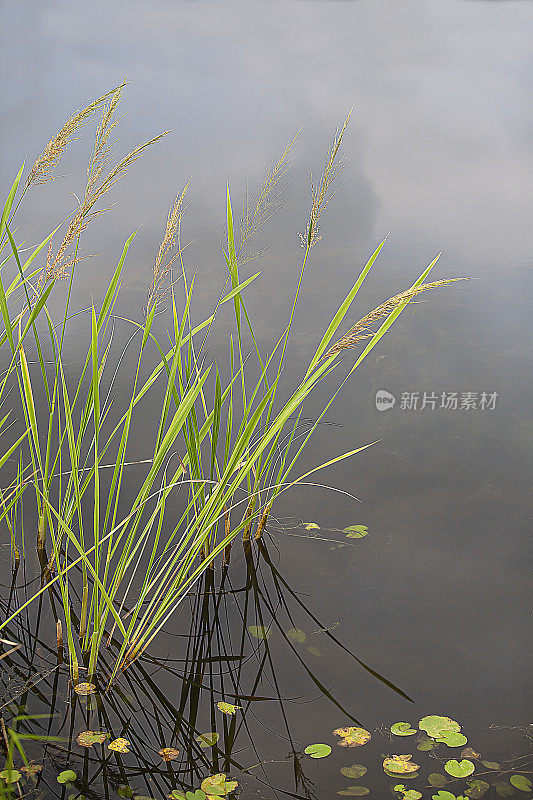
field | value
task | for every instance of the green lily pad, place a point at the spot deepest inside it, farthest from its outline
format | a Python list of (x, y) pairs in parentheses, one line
[(355, 531), (317, 750), (395, 775), (12, 775), (476, 789), (459, 769), (491, 764), (453, 739), (443, 796), (124, 791), (521, 782), (67, 776), (437, 780), (259, 631), (437, 727), (355, 771), (355, 791), (297, 635), (215, 785), (400, 765), (176, 794), (208, 739), (425, 744), (504, 789), (402, 729), (196, 795), (412, 794)]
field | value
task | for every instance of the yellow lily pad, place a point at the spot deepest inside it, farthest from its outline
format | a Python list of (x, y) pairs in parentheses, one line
[(168, 753), (227, 708), (400, 765), (119, 745), (352, 737)]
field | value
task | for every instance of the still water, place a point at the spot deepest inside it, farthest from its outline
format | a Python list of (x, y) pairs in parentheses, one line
[(436, 597)]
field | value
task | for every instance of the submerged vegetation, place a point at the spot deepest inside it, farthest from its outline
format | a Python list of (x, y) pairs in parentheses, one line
[(116, 565)]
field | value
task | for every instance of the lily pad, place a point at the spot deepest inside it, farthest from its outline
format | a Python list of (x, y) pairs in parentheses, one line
[(453, 739), (259, 631), (400, 765), (402, 729), (13, 775), (313, 650), (317, 750), (355, 531), (459, 769), (355, 791), (168, 753), (470, 753), (67, 776), (297, 635), (352, 737), (521, 782), (85, 689), (407, 794), (88, 738), (310, 526), (395, 775), (227, 708), (437, 727), (425, 744), (491, 764), (177, 794), (31, 770), (196, 795), (216, 785), (119, 745), (355, 771), (208, 739), (443, 796), (476, 789), (437, 780)]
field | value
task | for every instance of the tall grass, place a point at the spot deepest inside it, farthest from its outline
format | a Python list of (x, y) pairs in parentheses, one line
[(228, 448)]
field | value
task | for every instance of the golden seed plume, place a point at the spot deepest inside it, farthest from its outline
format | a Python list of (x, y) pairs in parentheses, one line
[(321, 193), (43, 168), (161, 285), (361, 330)]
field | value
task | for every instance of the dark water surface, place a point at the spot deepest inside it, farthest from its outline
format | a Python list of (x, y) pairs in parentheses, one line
[(437, 596)]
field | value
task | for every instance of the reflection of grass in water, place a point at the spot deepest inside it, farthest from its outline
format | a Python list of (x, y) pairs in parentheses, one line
[(229, 446)]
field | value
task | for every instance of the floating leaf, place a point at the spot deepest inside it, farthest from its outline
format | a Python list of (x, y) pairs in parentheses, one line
[(408, 794), (259, 631), (352, 737), (355, 531), (208, 739), (313, 650), (504, 789), (297, 634), (13, 775), (88, 738), (227, 708), (124, 791), (395, 775), (310, 526), (119, 745), (453, 739), (436, 779), (85, 689), (425, 744), (521, 782), (436, 727), (459, 769), (355, 791), (168, 753), (468, 752), (197, 795), (491, 764), (402, 729), (67, 776), (317, 750), (476, 789), (177, 794), (31, 769), (355, 771), (215, 785), (443, 796), (400, 765)]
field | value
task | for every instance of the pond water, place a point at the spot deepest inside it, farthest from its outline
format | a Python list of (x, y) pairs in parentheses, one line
[(436, 597)]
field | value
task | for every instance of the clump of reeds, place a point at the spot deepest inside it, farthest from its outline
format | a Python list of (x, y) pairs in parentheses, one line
[(232, 452), (361, 330)]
